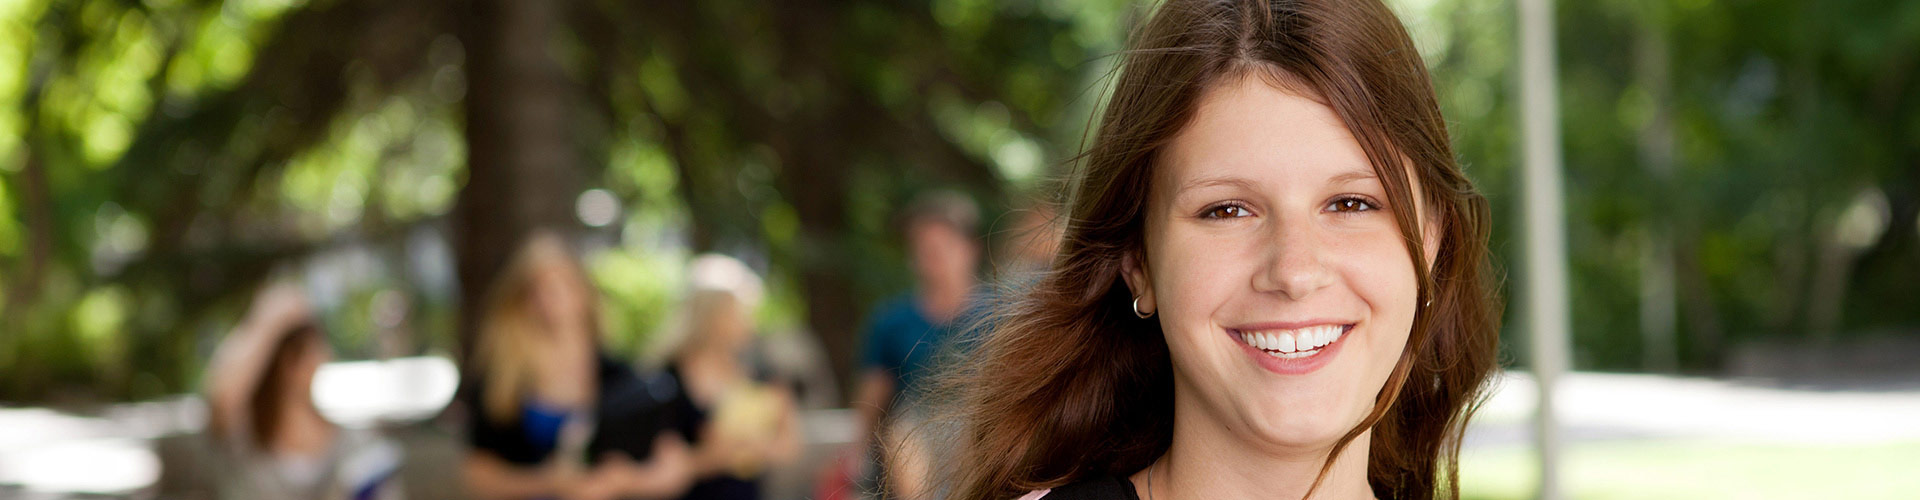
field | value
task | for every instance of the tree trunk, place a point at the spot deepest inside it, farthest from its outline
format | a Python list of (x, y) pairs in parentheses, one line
[(522, 170), (817, 186)]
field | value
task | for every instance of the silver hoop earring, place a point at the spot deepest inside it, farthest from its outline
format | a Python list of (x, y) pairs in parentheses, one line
[(1136, 309)]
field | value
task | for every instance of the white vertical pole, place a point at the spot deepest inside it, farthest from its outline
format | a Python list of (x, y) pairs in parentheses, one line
[(1546, 246), (1658, 316)]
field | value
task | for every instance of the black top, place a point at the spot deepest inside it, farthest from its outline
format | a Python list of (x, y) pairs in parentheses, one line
[(631, 409), (1098, 488), (692, 417)]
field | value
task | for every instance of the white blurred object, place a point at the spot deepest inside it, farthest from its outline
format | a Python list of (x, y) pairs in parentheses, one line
[(93, 466), (596, 207), (719, 272), (1864, 221), (832, 426), (360, 394), (1609, 406), (45, 450)]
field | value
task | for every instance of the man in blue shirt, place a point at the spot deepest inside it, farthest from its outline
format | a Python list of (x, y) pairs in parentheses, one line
[(905, 334)]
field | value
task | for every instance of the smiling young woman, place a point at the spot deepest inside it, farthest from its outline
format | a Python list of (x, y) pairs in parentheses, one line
[(1273, 283)]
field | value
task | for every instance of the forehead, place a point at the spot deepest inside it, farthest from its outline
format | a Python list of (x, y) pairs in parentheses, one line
[(1247, 127), (928, 233), (932, 225)]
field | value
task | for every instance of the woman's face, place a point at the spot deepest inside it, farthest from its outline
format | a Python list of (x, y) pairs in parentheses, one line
[(730, 327), (563, 299), (564, 354), (1277, 270), (942, 254)]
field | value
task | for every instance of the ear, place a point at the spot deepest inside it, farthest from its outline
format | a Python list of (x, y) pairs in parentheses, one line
[(1133, 269), (1431, 223), (1431, 237), (1433, 230)]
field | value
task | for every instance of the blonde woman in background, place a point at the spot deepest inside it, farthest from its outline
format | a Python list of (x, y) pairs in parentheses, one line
[(738, 425), (540, 383), (262, 418)]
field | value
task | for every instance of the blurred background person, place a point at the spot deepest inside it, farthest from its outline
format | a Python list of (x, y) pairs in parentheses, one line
[(272, 439), (738, 424), (549, 400), (903, 338)]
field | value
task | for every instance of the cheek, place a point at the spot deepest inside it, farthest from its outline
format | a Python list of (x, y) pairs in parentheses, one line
[(1380, 273), (924, 259), (737, 329), (1194, 275)]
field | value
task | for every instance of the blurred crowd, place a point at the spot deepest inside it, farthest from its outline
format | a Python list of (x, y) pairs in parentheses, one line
[(547, 411)]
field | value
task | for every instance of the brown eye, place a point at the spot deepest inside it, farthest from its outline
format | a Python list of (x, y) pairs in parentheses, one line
[(1350, 205), (1227, 211)]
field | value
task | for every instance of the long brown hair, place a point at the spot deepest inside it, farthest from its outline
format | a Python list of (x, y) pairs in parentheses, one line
[(1068, 385), (271, 393)]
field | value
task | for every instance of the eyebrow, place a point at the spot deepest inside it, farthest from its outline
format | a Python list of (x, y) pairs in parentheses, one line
[(1351, 176), (1215, 181), (1341, 178)]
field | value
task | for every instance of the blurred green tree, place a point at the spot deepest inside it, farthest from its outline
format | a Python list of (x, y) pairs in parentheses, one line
[(1750, 167), (172, 153)]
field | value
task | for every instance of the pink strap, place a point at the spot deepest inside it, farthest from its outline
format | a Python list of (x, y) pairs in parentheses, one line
[(1035, 494)]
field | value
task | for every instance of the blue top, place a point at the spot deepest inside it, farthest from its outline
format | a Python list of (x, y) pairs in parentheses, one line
[(541, 425), (901, 340)]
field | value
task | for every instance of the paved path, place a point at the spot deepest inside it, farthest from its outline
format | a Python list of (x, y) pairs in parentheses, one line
[(1602, 406)]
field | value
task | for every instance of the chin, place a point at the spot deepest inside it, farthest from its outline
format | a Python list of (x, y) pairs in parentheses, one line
[(1302, 423)]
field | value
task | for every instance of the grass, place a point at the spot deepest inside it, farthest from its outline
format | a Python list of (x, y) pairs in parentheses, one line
[(1700, 470)]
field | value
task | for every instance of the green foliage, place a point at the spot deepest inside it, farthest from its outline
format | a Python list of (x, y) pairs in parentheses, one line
[(161, 158), (641, 289), (1783, 113)]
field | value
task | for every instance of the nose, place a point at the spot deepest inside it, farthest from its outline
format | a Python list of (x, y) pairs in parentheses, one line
[(1292, 265)]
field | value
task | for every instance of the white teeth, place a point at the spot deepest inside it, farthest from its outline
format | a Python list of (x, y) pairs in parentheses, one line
[(1294, 344)]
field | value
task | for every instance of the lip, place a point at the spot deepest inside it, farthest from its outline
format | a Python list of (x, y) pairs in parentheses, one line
[(1294, 366), (1288, 325)]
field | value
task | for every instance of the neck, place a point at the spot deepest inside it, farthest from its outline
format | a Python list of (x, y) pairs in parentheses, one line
[(565, 374), (1206, 461), (708, 372), (943, 301), (709, 357)]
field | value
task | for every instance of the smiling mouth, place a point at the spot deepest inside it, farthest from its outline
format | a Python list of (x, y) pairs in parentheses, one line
[(1295, 343)]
